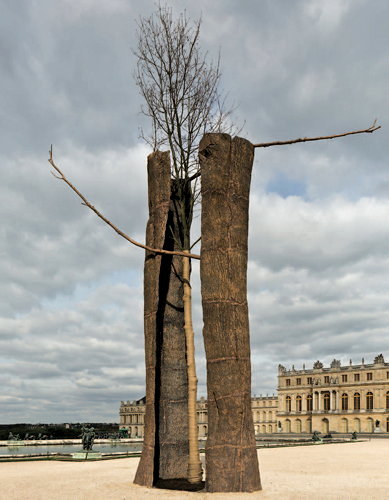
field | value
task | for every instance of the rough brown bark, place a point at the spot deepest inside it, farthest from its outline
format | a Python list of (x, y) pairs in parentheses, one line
[(231, 456), (165, 447)]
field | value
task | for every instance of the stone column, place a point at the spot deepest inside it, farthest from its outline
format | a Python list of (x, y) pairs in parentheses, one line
[(363, 399)]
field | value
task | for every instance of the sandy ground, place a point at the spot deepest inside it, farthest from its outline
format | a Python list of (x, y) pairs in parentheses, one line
[(334, 471)]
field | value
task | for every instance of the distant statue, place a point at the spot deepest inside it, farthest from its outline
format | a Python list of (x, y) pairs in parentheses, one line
[(281, 369), (335, 363), (315, 436), (379, 359), (354, 436), (11, 437), (88, 437), (317, 365), (123, 433)]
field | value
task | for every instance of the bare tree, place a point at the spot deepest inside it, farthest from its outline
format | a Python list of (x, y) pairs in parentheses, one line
[(180, 89)]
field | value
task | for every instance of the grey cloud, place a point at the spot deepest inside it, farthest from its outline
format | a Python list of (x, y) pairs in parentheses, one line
[(71, 336)]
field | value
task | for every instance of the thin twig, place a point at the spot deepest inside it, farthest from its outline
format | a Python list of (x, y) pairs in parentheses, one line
[(107, 221), (195, 243), (195, 175), (369, 130)]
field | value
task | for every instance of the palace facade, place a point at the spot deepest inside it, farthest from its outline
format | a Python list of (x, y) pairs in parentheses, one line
[(264, 409), (334, 399)]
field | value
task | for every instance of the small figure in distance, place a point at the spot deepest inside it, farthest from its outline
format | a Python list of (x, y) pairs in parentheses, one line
[(315, 437)]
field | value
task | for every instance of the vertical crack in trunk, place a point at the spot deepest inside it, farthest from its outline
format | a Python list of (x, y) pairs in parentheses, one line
[(165, 446)]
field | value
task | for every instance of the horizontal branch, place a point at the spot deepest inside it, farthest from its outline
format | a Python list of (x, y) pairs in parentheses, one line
[(369, 130), (62, 177)]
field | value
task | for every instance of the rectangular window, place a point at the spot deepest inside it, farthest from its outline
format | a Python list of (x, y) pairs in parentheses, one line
[(288, 382), (356, 377), (298, 381), (327, 379), (310, 381), (369, 376), (344, 378), (387, 375)]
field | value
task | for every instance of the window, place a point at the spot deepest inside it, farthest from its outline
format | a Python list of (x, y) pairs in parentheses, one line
[(288, 382), (357, 401), (288, 403), (298, 381), (369, 376), (298, 403), (344, 402), (369, 401), (387, 401), (344, 378), (327, 379), (309, 402), (310, 381), (387, 374), (326, 401), (356, 377)]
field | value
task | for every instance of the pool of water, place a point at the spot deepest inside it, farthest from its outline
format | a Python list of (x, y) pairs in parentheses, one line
[(113, 447), (69, 448)]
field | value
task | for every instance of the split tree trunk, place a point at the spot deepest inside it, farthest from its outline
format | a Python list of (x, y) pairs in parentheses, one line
[(231, 455), (165, 446)]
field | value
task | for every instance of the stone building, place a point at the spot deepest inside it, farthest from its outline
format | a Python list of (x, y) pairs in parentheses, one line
[(335, 399), (132, 417), (264, 410)]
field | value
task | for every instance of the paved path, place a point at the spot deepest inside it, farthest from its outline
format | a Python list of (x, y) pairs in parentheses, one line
[(334, 471)]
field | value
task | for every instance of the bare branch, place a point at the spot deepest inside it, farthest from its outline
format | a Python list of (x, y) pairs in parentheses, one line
[(195, 243), (195, 175), (179, 84), (62, 177), (369, 130)]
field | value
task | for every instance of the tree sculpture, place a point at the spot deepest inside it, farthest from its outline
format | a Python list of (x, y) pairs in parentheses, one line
[(231, 455), (182, 100), (180, 90)]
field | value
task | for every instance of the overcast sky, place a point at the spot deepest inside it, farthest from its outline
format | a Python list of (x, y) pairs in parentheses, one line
[(71, 333)]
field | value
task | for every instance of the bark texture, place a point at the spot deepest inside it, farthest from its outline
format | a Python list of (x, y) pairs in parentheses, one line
[(231, 456), (165, 447)]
